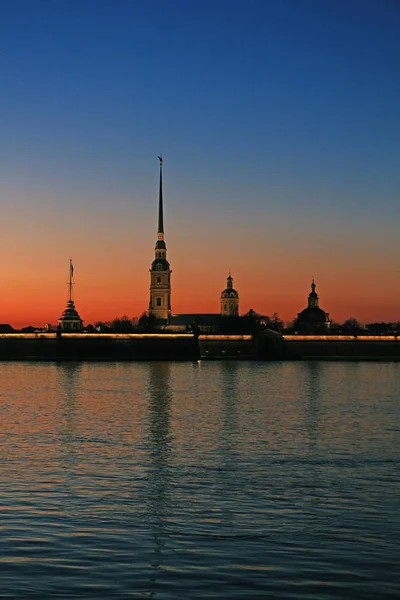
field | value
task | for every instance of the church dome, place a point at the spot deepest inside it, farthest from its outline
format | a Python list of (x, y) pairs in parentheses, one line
[(229, 293), (312, 319), (313, 314)]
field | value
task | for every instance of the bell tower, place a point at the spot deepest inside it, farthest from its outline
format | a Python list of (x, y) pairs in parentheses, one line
[(229, 299), (160, 272)]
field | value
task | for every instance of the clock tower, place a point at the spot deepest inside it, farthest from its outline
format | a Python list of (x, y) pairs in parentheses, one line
[(160, 272)]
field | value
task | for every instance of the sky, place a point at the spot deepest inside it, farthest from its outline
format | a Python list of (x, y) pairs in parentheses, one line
[(279, 125)]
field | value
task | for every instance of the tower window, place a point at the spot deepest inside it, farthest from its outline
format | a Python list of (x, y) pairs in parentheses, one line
[(158, 279), (158, 302)]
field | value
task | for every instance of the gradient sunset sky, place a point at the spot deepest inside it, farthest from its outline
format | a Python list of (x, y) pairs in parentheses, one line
[(279, 124)]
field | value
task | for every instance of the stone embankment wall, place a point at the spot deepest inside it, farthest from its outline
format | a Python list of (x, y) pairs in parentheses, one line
[(98, 347), (341, 347), (224, 347), (165, 346), (265, 346)]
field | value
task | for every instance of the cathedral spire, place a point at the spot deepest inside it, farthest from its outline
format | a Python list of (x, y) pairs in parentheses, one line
[(160, 272), (160, 205)]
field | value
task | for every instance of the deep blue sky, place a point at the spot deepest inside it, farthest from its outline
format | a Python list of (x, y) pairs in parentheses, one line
[(274, 111), (297, 89)]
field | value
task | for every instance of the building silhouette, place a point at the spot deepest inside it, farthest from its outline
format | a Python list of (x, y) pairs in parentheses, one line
[(312, 319), (160, 272), (70, 320), (229, 299), (209, 322), (160, 288)]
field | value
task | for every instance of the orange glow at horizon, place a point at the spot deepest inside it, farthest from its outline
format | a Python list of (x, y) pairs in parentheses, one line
[(42, 301), (272, 259), (279, 165)]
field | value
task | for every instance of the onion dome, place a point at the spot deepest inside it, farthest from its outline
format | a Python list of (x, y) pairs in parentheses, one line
[(313, 314), (229, 292)]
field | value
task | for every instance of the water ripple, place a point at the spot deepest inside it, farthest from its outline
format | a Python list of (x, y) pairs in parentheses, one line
[(223, 480)]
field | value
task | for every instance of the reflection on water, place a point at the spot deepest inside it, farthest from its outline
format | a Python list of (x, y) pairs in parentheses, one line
[(159, 408), (67, 381), (197, 480), (228, 449), (312, 404)]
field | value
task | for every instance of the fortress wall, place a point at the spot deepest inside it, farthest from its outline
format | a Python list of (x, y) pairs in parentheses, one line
[(237, 347), (341, 347), (189, 347), (168, 346), (98, 347)]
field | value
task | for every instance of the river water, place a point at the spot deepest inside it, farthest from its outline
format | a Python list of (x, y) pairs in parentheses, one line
[(226, 480)]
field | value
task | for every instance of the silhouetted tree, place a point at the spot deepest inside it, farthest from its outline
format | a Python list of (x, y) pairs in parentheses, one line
[(335, 328), (252, 314), (275, 322), (102, 327), (383, 328), (289, 325), (264, 321), (352, 326), (147, 322), (122, 325), (29, 329), (252, 321), (6, 328)]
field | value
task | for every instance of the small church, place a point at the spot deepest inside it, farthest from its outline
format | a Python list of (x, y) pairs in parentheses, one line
[(312, 320)]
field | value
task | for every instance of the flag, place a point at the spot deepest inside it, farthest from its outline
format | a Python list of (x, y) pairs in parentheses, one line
[(71, 268)]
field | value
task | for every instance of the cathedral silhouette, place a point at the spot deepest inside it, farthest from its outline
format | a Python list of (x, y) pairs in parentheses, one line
[(310, 320)]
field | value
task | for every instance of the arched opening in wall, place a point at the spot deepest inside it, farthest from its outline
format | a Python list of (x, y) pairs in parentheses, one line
[(158, 302)]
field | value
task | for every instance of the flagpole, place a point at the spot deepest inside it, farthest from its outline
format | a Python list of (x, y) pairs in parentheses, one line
[(71, 270)]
